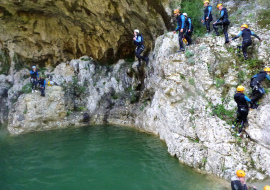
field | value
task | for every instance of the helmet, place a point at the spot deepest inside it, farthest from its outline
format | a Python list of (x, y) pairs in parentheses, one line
[(240, 173), (219, 5), (185, 14), (33, 67), (267, 187), (240, 89), (244, 26), (206, 2), (136, 30), (267, 69), (176, 11)]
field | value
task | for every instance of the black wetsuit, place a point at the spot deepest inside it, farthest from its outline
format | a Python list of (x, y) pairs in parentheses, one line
[(257, 89), (223, 21), (181, 20), (243, 108), (246, 35), (208, 13), (237, 185), (42, 84), (189, 26), (140, 48), (34, 77)]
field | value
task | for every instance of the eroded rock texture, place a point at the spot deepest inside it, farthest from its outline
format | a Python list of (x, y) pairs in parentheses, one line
[(53, 31)]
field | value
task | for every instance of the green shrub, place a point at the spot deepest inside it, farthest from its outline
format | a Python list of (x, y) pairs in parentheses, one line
[(189, 53), (263, 17), (191, 81), (202, 47), (115, 96), (27, 88), (191, 61), (182, 77), (219, 82)]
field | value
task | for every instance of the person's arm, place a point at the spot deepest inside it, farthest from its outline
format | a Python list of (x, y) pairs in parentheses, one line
[(44, 83), (221, 15), (267, 77), (253, 34), (177, 28), (138, 39), (183, 21), (189, 21), (209, 11), (238, 35), (31, 72), (247, 99), (37, 75)]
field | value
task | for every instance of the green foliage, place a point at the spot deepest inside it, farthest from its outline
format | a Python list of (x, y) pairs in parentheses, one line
[(25, 111), (202, 47), (115, 96), (194, 9), (86, 59), (182, 77), (255, 65), (27, 88), (68, 112), (5, 62), (189, 53), (18, 62), (104, 83), (191, 61), (220, 111), (263, 17), (244, 149), (191, 81), (81, 108), (241, 77), (219, 82), (133, 97), (192, 110), (196, 140)]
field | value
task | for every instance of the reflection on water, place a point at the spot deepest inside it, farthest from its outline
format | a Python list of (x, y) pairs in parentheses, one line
[(94, 157)]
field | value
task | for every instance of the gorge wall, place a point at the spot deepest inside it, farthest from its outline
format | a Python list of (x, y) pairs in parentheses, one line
[(184, 98)]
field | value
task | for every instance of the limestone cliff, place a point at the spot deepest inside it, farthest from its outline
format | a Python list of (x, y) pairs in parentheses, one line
[(48, 32)]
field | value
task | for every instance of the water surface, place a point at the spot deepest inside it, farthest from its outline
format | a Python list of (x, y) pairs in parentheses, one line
[(103, 157)]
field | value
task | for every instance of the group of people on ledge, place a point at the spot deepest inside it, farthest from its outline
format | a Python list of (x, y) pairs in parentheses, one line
[(242, 100), (37, 80), (238, 182), (185, 29)]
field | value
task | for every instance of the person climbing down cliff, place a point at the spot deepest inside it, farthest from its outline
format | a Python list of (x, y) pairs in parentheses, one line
[(222, 21), (42, 84), (34, 77), (242, 112), (180, 27), (207, 18), (246, 35), (238, 182), (189, 29), (255, 84), (138, 41)]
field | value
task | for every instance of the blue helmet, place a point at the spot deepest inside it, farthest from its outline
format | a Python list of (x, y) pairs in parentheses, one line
[(33, 67)]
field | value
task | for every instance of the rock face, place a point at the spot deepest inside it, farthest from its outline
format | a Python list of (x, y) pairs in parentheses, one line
[(49, 32)]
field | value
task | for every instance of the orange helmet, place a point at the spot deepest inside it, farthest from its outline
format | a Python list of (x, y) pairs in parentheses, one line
[(176, 11), (240, 173), (219, 5), (267, 187)]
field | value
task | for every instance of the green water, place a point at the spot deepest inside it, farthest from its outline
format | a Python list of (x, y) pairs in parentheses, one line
[(96, 158)]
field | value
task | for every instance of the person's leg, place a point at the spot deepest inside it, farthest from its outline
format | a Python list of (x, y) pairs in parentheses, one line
[(245, 45), (244, 115), (215, 26), (207, 24), (189, 34), (138, 53), (225, 30), (33, 84), (181, 34)]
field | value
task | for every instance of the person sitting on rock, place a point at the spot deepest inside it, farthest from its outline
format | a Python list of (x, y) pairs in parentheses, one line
[(255, 84), (222, 21), (238, 182), (138, 41), (242, 112), (246, 35), (181, 20), (189, 28), (34, 77), (207, 19), (42, 84)]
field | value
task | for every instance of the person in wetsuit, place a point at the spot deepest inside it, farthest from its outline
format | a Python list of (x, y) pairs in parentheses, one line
[(42, 84), (238, 182), (34, 78), (189, 29), (242, 112), (222, 21), (138, 41), (180, 27), (246, 35), (207, 18), (255, 84)]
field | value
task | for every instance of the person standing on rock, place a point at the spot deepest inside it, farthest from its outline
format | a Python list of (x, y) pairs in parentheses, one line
[(207, 19), (246, 35), (138, 41), (222, 21), (34, 77), (255, 84), (181, 20), (238, 182), (242, 112), (42, 84), (189, 28)]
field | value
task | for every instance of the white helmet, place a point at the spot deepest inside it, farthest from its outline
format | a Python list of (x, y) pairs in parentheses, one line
[(33, 67), (185, 14), (136, 30)]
